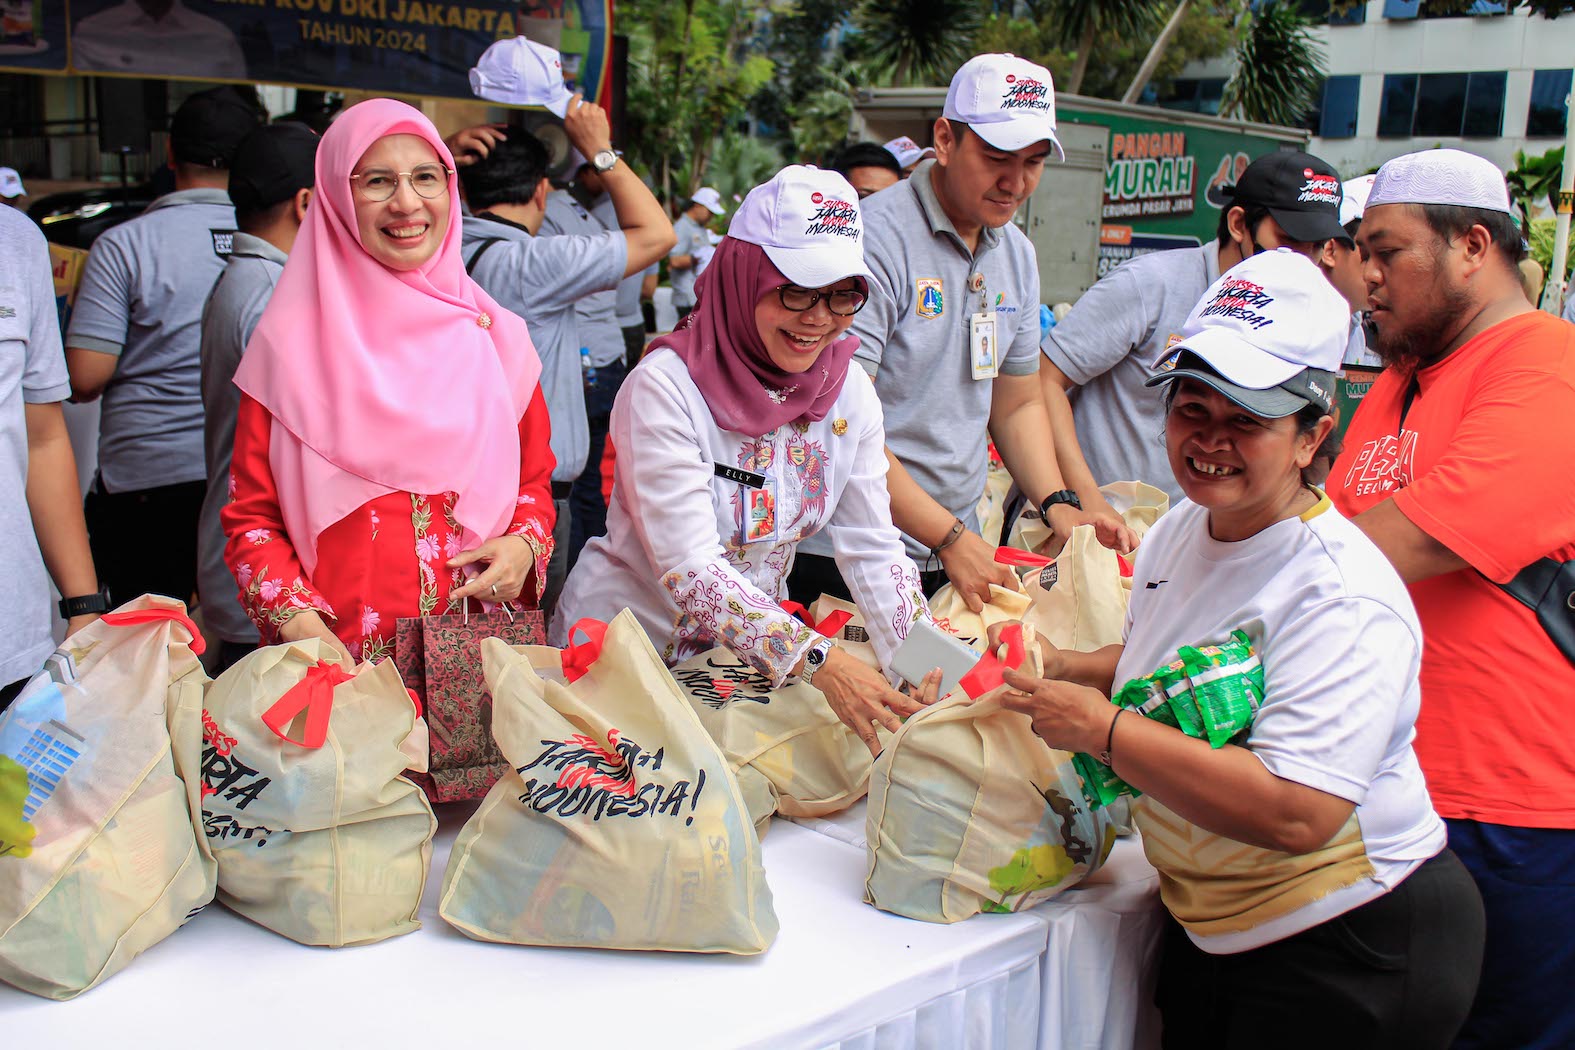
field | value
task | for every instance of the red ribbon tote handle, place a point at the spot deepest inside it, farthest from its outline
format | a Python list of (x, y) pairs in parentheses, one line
[(1013, 556), (159, 614), (827, 627), (313, 694), (989, 672), (578, 656)]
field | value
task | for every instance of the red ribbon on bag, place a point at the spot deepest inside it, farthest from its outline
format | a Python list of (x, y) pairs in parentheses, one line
[(313, 694), (827, 627), (990, 671), (1125, 566), (158, 614), (578, 656), (1013, 556)]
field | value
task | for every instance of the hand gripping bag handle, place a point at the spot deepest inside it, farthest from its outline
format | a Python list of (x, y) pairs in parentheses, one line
[(990, 671), (827, 627), (158, 614), (578, 656), (313, 694)]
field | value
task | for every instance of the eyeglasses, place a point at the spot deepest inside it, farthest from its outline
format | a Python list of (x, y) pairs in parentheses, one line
[(379, 184), (844, 302)]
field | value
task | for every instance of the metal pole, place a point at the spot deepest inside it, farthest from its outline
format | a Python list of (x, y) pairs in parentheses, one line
[(1557, 284)]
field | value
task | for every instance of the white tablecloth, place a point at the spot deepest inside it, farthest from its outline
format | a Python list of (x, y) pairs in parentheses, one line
[(1102, 941), (840, 974)]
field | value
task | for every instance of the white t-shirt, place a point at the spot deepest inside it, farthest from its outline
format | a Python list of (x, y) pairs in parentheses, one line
[(1341, 650), (678, 550)]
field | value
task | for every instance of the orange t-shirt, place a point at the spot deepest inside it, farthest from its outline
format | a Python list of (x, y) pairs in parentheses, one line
[(1486, 466)]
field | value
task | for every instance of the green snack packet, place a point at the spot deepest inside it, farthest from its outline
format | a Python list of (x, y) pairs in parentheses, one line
[(1101, 786), (1225, 686)]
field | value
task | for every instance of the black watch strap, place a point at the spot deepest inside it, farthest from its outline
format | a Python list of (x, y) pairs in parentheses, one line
[(84, 605), (1064, 496)]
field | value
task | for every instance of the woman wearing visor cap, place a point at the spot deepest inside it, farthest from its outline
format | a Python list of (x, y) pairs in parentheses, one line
[(744, 432), (1313, 900)]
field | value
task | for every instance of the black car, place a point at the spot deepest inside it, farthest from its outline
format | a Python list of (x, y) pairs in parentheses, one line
[(75, 218)]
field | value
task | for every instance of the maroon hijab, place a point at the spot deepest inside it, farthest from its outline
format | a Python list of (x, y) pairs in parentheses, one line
[(720, 344)]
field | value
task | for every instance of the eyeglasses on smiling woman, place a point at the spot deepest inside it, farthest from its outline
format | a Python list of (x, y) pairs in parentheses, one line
[(844, 302), (379, 184)]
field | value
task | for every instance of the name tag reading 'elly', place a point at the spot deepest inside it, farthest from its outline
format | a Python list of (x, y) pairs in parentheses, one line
[(747, 478)]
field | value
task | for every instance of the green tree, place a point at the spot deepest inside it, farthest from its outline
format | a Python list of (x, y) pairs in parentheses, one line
[(1083, 23), (1535, 179), (690, 77), (903, 43), (1279, 67)]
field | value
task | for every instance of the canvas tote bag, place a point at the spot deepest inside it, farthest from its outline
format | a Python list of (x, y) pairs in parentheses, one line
[(101, 856), (620, 824), (971, 812), (318, 834)]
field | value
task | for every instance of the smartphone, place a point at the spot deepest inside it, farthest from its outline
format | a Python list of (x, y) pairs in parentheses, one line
[(928, 647)]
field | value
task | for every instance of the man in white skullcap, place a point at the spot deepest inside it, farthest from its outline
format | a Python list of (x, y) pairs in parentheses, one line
[(1458, 465)]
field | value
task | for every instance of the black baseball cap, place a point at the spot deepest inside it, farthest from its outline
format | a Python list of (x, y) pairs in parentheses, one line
[(209, 125), (1301, 192), (272, 164)]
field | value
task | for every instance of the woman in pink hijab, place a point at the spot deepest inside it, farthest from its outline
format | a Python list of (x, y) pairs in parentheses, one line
[(392, 437)]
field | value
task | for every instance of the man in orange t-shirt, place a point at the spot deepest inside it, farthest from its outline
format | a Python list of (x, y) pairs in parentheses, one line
[(1460, 465)]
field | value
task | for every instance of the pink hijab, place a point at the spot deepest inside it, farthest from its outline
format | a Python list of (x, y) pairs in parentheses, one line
[(721, 346), (382, 381)]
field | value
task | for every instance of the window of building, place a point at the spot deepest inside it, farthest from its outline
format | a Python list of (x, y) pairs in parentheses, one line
[(1442, 105), (1421, 9), (1402, 8), (1336, 113), (1194, 95), (1550, 89), (1397, 106)]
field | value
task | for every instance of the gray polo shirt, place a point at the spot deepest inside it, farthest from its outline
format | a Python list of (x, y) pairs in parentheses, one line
[(141, 299), (541, 278), (234, 307), (629, 313), (32, 372), (1107, 346), (597, 313), (691, 238), (914, 339)]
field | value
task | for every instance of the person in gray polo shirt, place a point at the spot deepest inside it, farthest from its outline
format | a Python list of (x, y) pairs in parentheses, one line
[(42, 536), (951, 333), (691, 237), (134, 340), (1102, 353), (271, 184), (587, 210), (541, 278)]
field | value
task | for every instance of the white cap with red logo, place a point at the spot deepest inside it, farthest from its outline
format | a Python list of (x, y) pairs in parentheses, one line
[(521, 72), (907, 151), (809, 223), (1008, 101)]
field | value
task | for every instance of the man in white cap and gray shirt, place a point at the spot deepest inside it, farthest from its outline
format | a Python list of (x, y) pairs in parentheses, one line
[(951, 333), (542, 278), (1457, 465), (683, 262)]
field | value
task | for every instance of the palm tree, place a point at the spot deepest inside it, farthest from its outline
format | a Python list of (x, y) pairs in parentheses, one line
[(904, 42), (1156, 52), (1279, 67), (1082, 22)]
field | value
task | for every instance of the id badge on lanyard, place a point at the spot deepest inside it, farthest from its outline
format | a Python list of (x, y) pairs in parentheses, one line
[(758, 495), (984, 348)]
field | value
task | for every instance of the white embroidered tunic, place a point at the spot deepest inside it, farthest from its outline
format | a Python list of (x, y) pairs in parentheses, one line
[(701, 558)]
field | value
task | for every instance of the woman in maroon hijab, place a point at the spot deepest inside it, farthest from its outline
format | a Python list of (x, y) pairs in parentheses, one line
[(743, 433)]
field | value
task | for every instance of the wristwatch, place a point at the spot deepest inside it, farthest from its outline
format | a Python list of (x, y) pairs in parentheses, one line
[(1064, 496), (604, 161), (84, 605), (815, 659)]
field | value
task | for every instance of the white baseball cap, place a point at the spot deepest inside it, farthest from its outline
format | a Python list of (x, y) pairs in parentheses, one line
[(11, 183), (1441, 176), (521, 72), (710, 199), (1269, 335), (907, 151), (1008, 101), (808, 221), (1353, 197)]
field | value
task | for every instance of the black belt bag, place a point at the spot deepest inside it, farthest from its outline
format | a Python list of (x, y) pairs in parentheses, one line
[(1547, 588)]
